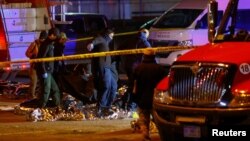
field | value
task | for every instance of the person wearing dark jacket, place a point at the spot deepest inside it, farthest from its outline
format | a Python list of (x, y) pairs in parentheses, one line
[(59, 66), (103, 71), (146, 76), (45, 70), (31, 53), (59, 51), (131, 61)]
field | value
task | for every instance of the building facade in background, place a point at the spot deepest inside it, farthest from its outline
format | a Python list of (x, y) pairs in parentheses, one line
[(115, 9)]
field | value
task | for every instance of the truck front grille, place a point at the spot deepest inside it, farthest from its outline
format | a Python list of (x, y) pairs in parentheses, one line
[(198, 83)]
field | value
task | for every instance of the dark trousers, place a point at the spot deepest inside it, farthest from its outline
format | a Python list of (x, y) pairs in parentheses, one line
[(50, 88), (130, 97)]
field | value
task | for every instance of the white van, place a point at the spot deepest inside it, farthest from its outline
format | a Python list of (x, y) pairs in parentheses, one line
[(185, 24)]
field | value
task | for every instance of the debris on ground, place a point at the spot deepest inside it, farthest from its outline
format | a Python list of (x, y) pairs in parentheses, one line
[(72, 109)]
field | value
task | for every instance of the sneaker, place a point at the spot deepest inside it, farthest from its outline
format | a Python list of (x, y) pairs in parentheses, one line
[(99, 113)]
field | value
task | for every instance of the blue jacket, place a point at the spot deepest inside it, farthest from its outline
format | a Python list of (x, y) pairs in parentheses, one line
[(142, 41)]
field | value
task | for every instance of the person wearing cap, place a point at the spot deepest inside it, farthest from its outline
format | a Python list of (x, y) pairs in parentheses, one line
[(59, 66), (45, 70), (145, 77), (59, 50), (31, 53), (104, 72)]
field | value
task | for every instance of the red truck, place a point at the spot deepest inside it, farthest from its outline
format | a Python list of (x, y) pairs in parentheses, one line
[(207, 91)]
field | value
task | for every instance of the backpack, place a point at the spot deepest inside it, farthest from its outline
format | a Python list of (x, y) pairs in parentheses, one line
[(32, 50)]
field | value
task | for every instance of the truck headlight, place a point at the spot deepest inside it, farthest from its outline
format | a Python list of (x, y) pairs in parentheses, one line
[(162, 97), (186, 43)]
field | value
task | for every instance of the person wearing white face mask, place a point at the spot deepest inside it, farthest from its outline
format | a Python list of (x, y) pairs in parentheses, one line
[(131, 61)]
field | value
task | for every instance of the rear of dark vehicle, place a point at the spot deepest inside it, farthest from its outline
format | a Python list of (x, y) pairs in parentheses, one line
[(80, 29)]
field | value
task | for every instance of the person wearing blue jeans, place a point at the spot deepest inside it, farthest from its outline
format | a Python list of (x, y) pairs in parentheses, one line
[(108, 90), (103, 72)]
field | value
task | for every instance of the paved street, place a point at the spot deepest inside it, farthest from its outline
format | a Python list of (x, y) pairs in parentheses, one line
[(15, 127)]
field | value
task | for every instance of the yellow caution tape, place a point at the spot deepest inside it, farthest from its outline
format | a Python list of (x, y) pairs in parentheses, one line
[(84, 39), (126, 33), (89, 38), (81, 39), (99, 54)]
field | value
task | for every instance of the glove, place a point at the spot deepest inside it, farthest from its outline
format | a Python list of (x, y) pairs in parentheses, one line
[(45, 75)]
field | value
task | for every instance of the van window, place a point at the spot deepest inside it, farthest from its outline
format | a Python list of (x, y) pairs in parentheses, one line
[(178, 18), (83, 24), (203, 21), (243, 19)]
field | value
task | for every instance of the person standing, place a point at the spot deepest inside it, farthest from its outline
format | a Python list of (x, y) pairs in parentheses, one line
[(59, 51), (145, 77), (131, 61), (59, 66), (142, 42), (103, 72), (45, 70), (31, 53)]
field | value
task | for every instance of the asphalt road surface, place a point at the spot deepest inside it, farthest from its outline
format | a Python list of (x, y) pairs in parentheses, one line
[(15, 127)]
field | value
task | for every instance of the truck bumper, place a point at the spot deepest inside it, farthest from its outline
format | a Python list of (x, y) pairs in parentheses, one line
[(179, 121)]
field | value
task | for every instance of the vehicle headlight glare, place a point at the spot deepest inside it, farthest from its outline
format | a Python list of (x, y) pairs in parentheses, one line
[(223, 103)]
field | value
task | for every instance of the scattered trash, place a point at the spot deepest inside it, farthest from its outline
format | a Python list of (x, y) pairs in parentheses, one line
[(72, 109), (136, 126), (6, 108), (13, 89)]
